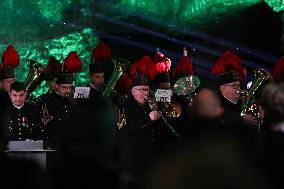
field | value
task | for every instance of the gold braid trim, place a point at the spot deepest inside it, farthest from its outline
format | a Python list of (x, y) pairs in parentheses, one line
[(46, 117)]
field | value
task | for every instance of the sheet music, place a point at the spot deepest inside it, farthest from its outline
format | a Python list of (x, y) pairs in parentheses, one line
[(82, 92)]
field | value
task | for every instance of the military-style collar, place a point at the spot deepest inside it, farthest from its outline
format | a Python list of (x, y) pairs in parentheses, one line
[(18, 107), (96, 88), (230, 100), (57, 95)]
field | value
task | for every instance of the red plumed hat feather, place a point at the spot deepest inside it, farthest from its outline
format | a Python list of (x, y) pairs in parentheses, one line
[(123, 84), (53, 65), (72, 63), (10, 57), (162, 63), (101, 53), (143, 66), (278, 70), (229, 62), (184, 66)]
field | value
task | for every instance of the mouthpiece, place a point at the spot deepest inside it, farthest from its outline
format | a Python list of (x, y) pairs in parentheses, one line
[(242, 92)]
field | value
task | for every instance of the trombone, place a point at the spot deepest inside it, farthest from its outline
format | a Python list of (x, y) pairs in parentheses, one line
[(154, 106)]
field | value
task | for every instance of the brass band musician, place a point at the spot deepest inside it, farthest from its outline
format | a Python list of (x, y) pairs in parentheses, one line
[(170, 109), (229, 75), (138, 139), (23, 119), (56, 107), (53, 69), (10, 60), (100, 59)]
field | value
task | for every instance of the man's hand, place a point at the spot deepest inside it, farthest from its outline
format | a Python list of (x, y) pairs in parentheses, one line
[(155, 115), (249, 119), (252, 120)]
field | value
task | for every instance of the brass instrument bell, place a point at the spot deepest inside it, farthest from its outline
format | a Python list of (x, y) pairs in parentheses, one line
[(171, 109), (261, 77), (186, 85), (35, 75), (117, 72), (168, 109)]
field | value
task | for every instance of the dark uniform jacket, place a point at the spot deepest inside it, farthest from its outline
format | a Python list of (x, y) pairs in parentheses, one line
[(55, 111), (232, 112), (4, 101), (95, 93), (138, 140), (179, 124), (4, 96), (169, 138), (24, 123)]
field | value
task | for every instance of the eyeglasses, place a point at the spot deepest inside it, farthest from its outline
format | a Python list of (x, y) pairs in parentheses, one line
[(142, 89), (234, 86)]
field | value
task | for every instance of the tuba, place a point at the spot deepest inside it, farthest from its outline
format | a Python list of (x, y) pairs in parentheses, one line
[(34, 77), (249, 99), (186, 86), (117, 71)]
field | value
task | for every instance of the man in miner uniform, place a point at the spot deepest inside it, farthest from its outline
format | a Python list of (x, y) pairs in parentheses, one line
[(138, 139), (56, 108), (23, 119), (230, 74), (100, 59), (10, 60)]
